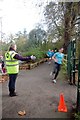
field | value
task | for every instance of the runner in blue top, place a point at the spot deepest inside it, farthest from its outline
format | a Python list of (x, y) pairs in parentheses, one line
[(58, 59), (49, 55), (52, 51)]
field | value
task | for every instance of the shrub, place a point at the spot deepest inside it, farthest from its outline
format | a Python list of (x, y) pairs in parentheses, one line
[(64, 67), (77, 116), (36, 52)]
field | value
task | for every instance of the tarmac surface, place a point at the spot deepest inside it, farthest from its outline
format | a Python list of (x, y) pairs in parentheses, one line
[(37, 95)]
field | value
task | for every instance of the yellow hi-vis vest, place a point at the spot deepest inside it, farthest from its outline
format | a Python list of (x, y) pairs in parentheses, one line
[(12, 65)]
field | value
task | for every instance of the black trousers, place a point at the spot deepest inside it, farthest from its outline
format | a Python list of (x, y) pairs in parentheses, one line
[(12, 81), (56, 70)]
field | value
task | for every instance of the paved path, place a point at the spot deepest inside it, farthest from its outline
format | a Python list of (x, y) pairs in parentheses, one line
[(37, 95)]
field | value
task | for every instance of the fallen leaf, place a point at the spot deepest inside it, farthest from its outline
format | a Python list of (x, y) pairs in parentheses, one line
[(22, 113)]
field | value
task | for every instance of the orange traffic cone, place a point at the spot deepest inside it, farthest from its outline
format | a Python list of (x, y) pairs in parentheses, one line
[(62, 106)]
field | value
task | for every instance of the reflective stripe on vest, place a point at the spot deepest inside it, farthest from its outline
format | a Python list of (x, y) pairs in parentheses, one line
[(10, 60), (12, 64)]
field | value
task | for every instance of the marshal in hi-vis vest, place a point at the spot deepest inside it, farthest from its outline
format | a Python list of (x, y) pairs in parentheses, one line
[(12, 65)]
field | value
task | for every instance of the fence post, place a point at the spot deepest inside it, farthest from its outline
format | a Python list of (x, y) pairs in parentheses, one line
[(78, 88), (73, 59), (69, 66)]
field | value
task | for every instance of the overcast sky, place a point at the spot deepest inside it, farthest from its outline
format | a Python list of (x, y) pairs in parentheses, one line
[(19, 14)]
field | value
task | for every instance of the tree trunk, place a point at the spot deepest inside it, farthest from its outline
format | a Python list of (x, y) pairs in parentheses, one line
[(67, 25)]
